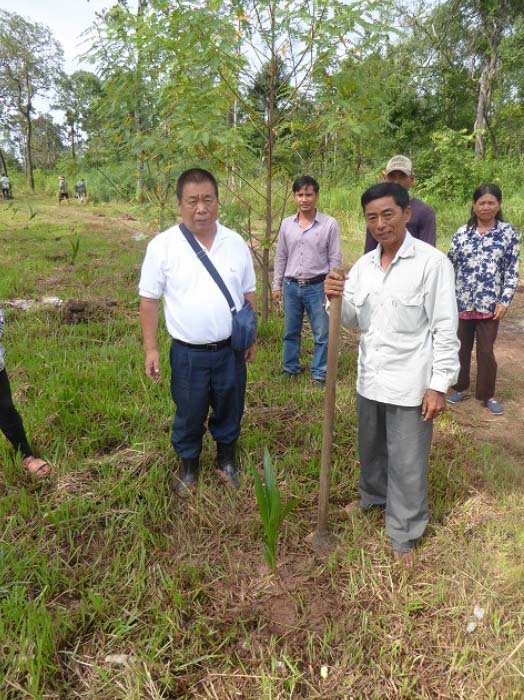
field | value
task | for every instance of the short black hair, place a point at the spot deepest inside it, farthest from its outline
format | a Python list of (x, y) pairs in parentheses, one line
[(194, 175), (386, 189), (306, 181)]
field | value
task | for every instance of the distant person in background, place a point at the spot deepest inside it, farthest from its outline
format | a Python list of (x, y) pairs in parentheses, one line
[(11, 424), (6, 187), (62, 189), (485, 255), (422, 223), (308, 248), (80, 190)]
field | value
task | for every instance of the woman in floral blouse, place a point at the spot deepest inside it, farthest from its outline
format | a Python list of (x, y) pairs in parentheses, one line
[(485, 255), (11, 423)]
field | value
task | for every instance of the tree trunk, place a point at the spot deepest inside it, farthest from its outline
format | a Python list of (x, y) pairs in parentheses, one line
[(73, 138), (268, 236), (2, 161), (139, 192), (28, 153), (487, 78)]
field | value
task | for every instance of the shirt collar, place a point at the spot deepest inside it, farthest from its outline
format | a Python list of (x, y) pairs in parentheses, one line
[(406, 250), (315, 220)]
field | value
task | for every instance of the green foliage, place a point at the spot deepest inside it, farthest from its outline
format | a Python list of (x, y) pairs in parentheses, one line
[(271, 509), (447, 167), (75, 249)]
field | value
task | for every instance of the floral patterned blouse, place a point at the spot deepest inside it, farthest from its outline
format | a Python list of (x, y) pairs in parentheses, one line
[(486, 267)]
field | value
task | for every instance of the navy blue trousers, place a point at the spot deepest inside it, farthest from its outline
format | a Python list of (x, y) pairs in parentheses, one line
[(200, 380)]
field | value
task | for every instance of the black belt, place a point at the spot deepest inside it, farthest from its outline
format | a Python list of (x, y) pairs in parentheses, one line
[(210, 347), (304, 283)]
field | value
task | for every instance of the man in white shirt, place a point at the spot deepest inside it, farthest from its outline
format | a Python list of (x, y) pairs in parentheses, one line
[(401, 295), (205, 371)]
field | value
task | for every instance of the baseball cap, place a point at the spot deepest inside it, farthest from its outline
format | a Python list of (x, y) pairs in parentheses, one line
[(401, 163)]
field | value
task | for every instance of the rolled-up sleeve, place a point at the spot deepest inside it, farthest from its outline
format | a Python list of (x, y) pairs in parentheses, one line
[(441, 309)]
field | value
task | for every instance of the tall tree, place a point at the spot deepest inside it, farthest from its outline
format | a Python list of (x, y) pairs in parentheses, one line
[(161, 103), (30, 62), (76, 95), (47, 143), (455, 52), (287, 46)]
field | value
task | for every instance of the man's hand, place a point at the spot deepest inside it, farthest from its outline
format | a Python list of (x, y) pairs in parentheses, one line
[(333, 285), (277, 296), (152, 365), (433, 404), (500, 312), (249, 354)]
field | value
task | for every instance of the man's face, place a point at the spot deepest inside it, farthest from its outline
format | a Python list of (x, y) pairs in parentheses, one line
[(198, 207), (386, 221), (400, 178), (306, 199)]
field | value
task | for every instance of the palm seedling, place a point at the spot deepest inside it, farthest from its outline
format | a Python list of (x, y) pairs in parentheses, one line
[(272, 511)]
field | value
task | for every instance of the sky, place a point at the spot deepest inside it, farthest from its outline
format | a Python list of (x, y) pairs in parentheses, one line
[(67, 19)]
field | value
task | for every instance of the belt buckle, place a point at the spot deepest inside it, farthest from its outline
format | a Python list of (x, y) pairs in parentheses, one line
[(212, 347), (302, 283)]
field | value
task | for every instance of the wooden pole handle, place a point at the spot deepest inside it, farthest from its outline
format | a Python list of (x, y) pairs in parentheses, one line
[(335, 310)]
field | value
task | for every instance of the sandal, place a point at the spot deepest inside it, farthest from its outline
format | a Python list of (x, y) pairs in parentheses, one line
[(34, 466)]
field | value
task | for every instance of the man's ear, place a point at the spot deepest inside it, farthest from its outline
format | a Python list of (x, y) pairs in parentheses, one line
[(407, 211)]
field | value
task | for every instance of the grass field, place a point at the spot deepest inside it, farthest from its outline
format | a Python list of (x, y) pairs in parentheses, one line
[(111, 589)]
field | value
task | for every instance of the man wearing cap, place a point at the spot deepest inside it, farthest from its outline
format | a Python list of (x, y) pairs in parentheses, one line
[(422, 224), (63, 192), (308, 248)]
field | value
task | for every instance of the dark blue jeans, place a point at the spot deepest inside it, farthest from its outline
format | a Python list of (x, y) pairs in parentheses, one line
[(297, 299), (200, 380)]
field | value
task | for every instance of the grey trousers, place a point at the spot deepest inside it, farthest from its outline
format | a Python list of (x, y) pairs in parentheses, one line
[(394, 444)]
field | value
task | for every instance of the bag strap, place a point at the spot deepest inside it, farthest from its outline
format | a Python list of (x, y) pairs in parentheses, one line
[(206, 262)]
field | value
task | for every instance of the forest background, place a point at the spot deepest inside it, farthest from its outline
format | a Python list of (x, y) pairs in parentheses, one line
[(260, 92)]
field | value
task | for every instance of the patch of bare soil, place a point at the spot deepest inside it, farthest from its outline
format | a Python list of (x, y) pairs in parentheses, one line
[(82, 311)]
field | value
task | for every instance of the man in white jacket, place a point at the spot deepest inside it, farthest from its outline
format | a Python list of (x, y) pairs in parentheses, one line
[(401, 295)]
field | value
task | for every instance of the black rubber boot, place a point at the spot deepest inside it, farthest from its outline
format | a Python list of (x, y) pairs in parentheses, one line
[(185, 481), (226, 464)]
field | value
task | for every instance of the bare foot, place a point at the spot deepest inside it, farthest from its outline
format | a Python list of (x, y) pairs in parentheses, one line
[(405, 559), (36, 467)]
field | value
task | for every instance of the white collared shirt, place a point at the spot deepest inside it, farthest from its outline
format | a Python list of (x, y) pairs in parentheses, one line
[(195, 309), (408, 321)]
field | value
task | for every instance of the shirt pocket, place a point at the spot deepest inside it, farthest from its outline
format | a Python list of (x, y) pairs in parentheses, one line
[(363, 310), (408, 313)]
